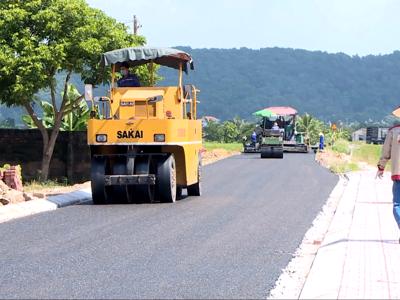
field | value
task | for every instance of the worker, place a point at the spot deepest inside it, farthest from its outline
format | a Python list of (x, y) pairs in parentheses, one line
[(321, 141), (254, 137), (127, 79), (391, 151), (275, 126)]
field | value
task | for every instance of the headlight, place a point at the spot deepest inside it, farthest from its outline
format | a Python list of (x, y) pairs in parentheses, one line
[(159, 137), (101, 138)]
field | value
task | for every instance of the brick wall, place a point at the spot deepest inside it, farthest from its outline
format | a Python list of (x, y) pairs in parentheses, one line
[(71, 157)]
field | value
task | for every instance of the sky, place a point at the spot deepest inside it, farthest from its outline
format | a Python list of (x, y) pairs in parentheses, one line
[(354, 27)]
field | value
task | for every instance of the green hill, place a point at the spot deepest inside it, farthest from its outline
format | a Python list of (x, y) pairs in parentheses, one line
[(332, 87)]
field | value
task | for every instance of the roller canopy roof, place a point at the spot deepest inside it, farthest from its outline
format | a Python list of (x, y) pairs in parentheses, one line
[(282, 110), (137, 56)]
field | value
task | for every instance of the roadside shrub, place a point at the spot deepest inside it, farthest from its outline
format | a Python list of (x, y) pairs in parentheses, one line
[(367, 153), (341, 146)]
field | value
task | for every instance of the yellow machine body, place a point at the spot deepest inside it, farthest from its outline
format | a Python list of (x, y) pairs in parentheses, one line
[(131, 121)]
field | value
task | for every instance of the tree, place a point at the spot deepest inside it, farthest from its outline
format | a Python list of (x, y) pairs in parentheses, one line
[(213, 131), (341, 133), (230, 132), (42, 38), (310, 127), (75, 118), (7, 123)]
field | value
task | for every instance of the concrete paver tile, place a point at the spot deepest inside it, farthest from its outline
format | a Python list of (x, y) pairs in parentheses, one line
[(363, 261)]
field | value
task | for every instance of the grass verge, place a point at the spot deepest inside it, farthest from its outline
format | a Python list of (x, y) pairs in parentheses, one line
[(347, 156), (367, 153), (34, 185), (209, 146)]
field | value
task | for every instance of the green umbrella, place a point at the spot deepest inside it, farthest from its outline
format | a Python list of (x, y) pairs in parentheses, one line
[(265, 113)]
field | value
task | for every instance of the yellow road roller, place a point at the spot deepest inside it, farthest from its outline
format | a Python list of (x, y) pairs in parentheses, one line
[(145, 141)]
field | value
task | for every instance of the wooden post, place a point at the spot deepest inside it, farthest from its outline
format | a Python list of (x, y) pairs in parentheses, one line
[(181, 90), (194, 92), (180, 75), (151, 74), (112, 77)]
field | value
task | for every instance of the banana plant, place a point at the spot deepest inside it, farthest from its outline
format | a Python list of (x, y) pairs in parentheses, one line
[(310, 126), (75, 116)]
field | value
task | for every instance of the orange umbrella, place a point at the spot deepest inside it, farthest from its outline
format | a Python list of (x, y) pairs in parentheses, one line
[(283, 110)]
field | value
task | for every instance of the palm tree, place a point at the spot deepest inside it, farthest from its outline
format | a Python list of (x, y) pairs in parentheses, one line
[(310, 127)]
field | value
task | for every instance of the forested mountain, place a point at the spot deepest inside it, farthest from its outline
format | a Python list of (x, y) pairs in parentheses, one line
[(332, 87)]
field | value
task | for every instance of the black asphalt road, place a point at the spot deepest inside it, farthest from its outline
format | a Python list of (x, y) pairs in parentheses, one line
[(230, 243)]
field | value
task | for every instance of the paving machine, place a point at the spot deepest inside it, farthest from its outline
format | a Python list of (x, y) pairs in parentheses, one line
[(293, 141), (272, 143), (145, 142)]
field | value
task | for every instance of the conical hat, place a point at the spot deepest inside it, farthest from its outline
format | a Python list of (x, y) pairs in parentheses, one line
[(396, 112)]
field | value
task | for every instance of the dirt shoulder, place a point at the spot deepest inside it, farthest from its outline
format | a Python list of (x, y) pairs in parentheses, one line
[(341, 163), (212, 156), (38, 191)]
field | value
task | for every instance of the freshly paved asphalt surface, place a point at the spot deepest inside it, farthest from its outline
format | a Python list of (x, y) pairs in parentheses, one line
[(230, 243)]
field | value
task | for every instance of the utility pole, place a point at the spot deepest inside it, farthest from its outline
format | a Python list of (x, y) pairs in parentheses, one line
[(136, 25)]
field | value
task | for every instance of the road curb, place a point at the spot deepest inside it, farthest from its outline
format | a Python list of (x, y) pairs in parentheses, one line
[(72, 198), (23, 209)]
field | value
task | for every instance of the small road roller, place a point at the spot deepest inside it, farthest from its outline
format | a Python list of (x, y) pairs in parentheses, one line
[(146, 141), (271, 145)]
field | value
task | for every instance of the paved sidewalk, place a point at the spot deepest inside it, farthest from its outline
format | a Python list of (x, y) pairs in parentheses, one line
[(359, 257)]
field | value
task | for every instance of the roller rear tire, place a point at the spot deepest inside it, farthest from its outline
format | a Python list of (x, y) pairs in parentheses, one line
[(195, 189), (97, 172), (166, 180)]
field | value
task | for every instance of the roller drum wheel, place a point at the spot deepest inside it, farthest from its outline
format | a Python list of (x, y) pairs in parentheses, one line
[(118, 193), (267, 153), (278, 153), (166, 180)]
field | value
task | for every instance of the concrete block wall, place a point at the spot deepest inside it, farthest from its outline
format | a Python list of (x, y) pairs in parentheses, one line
[(71, 157)]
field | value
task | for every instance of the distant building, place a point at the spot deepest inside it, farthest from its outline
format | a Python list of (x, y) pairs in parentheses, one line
[(376, 135), (370, 135), (207, 119), (359, 135)]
